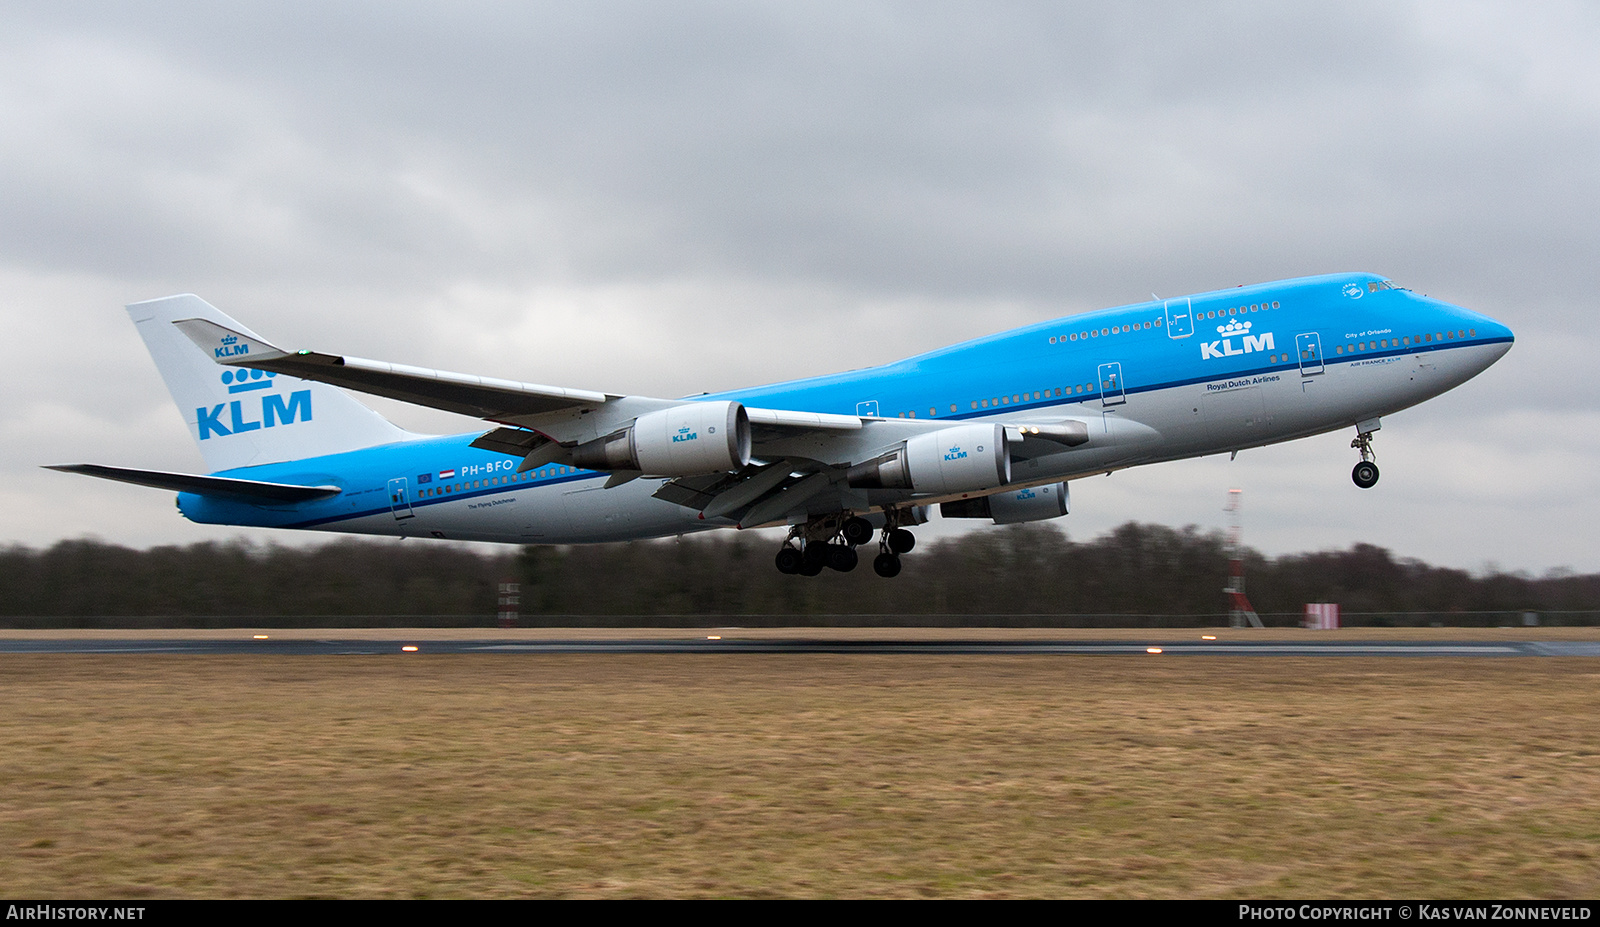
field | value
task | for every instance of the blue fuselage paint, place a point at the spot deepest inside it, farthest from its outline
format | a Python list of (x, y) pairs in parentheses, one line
[(1204, 374)]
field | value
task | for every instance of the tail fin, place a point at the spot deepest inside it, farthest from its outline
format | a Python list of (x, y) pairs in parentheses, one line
[(241, 417)]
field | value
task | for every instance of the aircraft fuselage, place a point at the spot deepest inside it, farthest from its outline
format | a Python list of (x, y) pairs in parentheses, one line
[(1156, 381)]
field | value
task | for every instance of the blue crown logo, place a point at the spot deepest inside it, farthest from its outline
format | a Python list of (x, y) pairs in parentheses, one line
[(230, 339), (244, 381)]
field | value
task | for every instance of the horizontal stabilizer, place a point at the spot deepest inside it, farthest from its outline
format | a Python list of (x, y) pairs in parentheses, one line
[(225, 487)]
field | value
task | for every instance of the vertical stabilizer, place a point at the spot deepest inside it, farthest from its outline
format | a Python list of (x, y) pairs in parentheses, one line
[(241, 417)]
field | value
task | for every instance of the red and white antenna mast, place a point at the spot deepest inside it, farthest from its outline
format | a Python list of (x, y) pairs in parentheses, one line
[(1240, 611)]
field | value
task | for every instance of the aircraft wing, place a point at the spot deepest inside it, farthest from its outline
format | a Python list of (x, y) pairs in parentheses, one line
[(481, 397), (559, 414), (791, 458)]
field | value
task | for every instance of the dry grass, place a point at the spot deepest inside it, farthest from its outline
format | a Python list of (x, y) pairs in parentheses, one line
[(789, 775)]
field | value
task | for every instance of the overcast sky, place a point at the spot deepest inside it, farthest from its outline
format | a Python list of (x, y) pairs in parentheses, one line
[(665, 198)]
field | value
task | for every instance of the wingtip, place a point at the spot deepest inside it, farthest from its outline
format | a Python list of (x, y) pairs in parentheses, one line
[(226, 346)]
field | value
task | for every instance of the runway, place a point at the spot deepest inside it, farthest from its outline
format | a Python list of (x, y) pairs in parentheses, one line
[(1189, 647)]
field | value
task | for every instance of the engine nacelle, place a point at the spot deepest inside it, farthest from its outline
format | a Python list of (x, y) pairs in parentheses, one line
[(1012, 507), (686, 440), (963, 458)]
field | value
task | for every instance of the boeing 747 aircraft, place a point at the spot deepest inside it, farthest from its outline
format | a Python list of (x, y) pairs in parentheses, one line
[(993, 428)]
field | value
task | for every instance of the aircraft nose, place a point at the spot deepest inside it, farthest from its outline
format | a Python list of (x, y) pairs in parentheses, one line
[(1497, 331), (1491, 331), (1484, 329), (1493, 334)]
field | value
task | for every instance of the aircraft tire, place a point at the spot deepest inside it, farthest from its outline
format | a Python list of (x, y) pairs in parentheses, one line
[(841, 558), (857, 531), (1365, 474), (886, 565), (901, 541), (788, 560)]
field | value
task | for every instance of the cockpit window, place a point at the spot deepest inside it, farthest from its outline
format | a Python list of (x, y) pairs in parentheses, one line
[(1374, 286)]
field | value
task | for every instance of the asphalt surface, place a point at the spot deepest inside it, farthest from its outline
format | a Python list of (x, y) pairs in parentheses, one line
[(820, 645)]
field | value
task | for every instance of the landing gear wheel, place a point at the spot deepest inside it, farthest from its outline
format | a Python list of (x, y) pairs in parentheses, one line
[(857, 531), (886, 565), (841, 558), (900, 541), (815, 554), (1365, 474), (788, 560)]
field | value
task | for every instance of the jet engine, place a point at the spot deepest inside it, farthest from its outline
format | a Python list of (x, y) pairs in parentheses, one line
[(686, 440), (1009, 508), (963, 458)]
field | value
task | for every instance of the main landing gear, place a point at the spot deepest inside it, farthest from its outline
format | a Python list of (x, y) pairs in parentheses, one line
[(893, 543), (1365, 473), (830, 542)]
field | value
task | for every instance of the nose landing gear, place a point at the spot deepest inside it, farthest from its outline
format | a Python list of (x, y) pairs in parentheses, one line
[(1365, 473)]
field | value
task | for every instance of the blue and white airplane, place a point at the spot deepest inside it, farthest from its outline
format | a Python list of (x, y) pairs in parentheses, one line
[(992, 428)]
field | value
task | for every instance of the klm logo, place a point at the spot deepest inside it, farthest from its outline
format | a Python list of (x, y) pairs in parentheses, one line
[(955, 453), (685, 434), (1026, 494), (1224, 346), (241, 415), (231, 347)]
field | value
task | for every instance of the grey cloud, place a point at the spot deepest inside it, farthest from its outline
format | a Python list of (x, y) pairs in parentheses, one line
[(849, 182)]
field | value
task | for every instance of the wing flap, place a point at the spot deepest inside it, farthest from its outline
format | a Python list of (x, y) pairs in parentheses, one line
[(823, 421)]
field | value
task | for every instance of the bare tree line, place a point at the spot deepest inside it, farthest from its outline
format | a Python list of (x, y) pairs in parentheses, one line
[(1028, 574)]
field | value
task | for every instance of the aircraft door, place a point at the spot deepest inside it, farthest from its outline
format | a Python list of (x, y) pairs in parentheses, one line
[(1180, 318), (1309, 349), (1111, 384), (399, 498), (868, 409)]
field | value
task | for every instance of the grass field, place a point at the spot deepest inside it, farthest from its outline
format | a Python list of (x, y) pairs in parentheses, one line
[(798, 775)]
